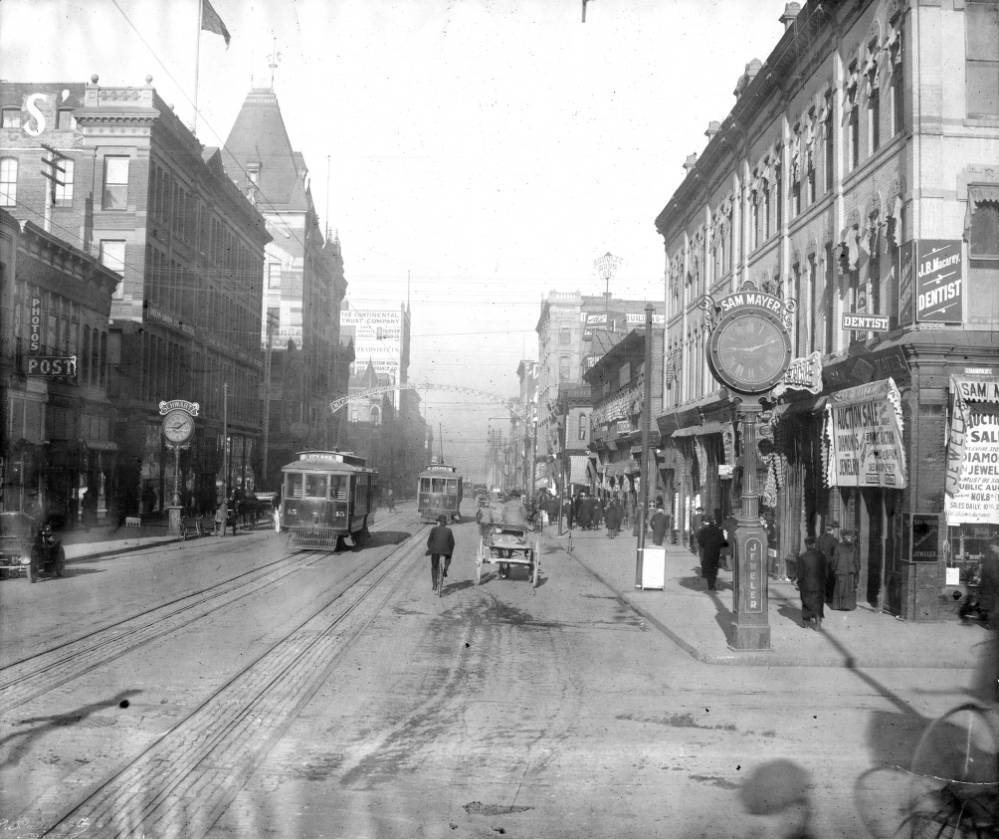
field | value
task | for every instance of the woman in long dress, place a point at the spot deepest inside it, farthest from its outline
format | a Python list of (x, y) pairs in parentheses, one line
[(845, 571)]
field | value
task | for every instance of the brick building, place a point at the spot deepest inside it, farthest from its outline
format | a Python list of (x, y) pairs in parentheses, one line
[(856, 176), (137, 190)]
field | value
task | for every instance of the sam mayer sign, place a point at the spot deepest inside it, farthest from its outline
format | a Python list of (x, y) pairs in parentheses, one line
[(862, 437), (972, 486)]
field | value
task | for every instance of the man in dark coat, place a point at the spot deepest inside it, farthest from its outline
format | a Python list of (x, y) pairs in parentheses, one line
[(696, 523), (845, 573), (710, 539), (612, 517), (812, 585), (828, 545), (659, 524), (440, 543)]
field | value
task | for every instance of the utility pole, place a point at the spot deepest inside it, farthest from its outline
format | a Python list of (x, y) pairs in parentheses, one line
[(267, 393), (52, 175), (225, 437)]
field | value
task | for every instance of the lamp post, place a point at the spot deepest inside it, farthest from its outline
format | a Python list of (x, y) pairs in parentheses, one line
[(606, 267)]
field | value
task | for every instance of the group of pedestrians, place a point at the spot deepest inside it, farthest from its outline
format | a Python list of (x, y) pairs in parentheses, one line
[(828, 573)]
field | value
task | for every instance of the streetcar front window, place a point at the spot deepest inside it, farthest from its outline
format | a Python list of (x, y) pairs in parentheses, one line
[(294, 485), (338, 487), (439, 484), (315, 486)]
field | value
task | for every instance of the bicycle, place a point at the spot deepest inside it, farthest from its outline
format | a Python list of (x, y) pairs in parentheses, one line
[(440, 574), (954, 788)]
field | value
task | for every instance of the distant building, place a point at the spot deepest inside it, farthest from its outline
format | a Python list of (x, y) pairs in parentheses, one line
[(574, 332)]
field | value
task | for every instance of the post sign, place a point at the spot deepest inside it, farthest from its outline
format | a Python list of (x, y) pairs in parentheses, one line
[(865, 323), (939, 286), (51, 366)]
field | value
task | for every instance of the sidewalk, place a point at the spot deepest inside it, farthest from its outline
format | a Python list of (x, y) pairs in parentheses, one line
[(108, 540), (701, 622)]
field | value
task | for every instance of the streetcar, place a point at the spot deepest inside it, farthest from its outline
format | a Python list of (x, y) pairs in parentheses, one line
[(438, 492), (326, 498)]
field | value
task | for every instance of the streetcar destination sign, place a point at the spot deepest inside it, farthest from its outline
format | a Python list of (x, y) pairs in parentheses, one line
[(866, 323), (51, 365)]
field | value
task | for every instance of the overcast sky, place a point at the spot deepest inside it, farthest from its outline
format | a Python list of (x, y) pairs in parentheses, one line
[(479, 153)]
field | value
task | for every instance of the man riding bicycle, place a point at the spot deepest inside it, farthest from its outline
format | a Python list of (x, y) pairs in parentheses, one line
[(440, 544)]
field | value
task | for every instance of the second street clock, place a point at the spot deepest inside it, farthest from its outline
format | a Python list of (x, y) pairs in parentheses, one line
[(749, 349), (178, 427)]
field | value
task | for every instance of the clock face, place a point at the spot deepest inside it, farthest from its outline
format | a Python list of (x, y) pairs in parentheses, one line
[(178, 426), (749, 351)]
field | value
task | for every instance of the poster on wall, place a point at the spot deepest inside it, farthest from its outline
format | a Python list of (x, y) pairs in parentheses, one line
[(862, 437), (972, 482), (939, 287)]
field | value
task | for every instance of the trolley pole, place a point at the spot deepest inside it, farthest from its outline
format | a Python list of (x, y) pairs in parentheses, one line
[(643, 507)]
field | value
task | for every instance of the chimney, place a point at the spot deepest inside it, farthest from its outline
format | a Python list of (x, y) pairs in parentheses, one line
[(690, 162), (791, 11), (713, 128), (752, 68)]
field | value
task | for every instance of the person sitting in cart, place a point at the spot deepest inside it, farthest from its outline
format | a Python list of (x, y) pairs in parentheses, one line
[(514, 515), (440, 544)]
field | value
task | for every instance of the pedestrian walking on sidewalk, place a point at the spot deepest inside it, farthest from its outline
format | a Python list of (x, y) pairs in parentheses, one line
[(845, 572), (440, 545), (812, 572), (729, 525), (696, 523), (710, 539), (828, 546), (660, 525), (612, 517)]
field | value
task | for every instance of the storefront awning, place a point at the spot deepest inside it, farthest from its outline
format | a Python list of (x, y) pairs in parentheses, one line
[(578, 465), (621, 467), (712, 427)]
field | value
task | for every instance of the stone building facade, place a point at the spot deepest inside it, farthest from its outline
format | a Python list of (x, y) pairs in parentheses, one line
[(855, 176)]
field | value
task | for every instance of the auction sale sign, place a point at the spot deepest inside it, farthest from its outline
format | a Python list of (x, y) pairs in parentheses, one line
[(862, 437), (972, 486)]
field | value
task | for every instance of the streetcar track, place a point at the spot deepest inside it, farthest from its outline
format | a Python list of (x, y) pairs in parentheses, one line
[(51, 668), (181, 783)]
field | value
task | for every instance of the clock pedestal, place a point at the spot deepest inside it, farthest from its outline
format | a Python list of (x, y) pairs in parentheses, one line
[(752, 613)]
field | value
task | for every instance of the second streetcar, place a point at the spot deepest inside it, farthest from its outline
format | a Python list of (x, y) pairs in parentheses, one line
[(438, 492)]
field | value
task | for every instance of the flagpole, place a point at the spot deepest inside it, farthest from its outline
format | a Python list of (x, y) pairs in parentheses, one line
[(197, 67)]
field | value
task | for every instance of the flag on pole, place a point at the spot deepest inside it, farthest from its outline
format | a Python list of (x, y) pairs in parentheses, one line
[(211, 22)]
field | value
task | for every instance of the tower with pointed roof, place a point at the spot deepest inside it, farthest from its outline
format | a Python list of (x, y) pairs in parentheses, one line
[(303, 284)]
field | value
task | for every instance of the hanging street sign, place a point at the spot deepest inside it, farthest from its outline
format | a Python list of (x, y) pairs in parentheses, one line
[(865, 323)]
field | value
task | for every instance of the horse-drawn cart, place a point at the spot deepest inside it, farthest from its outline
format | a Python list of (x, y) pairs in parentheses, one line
[(508, 545)]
